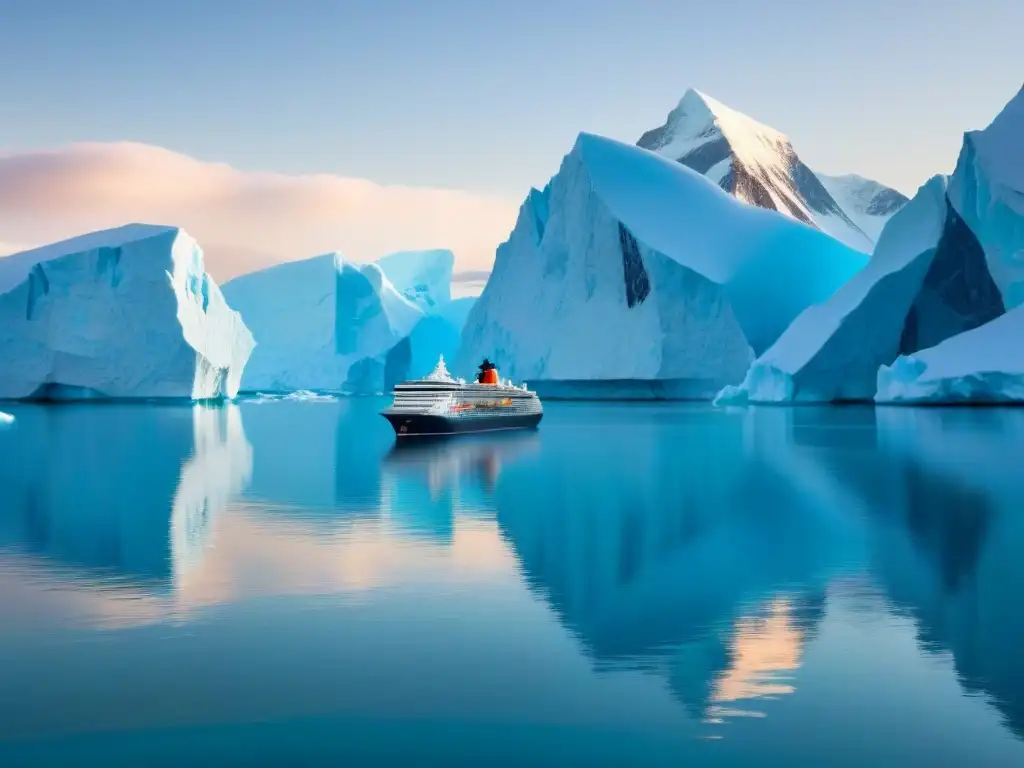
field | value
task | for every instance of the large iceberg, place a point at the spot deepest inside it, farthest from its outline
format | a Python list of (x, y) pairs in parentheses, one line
[(950, 261), (631, 266), (982, 365), (122, 313), (324, 324)]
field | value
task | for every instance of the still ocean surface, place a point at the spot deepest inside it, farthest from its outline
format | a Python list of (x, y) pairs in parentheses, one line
[(273, 582)]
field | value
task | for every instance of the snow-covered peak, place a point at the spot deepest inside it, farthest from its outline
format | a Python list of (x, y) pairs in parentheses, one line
[(757, 164), (699, 119)]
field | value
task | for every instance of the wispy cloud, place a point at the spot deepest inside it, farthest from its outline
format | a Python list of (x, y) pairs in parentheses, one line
[(244, 220)]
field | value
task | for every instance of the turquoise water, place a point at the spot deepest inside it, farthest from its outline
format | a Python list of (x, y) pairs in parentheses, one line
[(273, 583)]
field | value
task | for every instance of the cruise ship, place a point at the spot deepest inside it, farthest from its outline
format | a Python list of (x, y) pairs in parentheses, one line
[(439, 404)]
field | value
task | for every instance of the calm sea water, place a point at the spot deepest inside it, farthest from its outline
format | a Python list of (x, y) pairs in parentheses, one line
[(274, 583)]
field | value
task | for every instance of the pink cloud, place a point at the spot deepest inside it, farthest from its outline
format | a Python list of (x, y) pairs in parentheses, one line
[(243, 220)]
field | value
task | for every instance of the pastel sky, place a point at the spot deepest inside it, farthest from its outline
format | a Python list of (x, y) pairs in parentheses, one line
[(276, 130)]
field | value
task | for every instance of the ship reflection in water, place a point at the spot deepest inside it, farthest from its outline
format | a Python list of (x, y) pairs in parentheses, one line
[(810, 586)]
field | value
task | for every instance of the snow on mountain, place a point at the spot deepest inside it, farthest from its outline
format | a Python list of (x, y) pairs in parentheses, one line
[(985, 364), (120, 313), (947, 263), (758, 165), (324, 324), (630, 266), (868, 204)]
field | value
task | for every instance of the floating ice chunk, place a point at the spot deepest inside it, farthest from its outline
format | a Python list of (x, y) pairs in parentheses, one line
[(982, 365)]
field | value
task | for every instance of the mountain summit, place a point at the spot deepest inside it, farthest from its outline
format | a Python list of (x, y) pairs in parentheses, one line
[(758, 165)]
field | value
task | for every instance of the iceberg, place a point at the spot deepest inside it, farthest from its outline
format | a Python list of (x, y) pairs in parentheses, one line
[(631, 266), (326, 325), (438, 334), (949, 262), (423, 277), (121, 313), (6, 418), (987, 191), (982, 365)]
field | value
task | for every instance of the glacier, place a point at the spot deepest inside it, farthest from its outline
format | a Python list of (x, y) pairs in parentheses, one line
[(628, 265), (758, 165), (984, 365), (120, 313), (327, 325), (950, 261)]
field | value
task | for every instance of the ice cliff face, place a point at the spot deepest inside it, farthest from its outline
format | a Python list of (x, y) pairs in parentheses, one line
[(328, 325), (950, 262), (423, 277), (630, 266), (123, 313), (987, 191), (757, 164)]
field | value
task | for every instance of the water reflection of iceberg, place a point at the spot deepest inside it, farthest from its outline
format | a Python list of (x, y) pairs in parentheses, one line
[(940, 491), (318, 460), (665, 547), (219, 469), (426, 483), (122, 492), (955, 561)]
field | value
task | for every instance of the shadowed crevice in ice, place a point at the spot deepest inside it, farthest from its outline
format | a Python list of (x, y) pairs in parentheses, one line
[(958, 292), (638, 284), (38, 286)]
